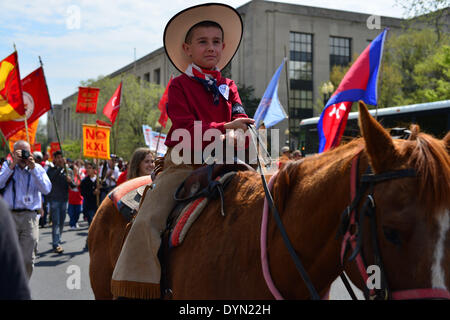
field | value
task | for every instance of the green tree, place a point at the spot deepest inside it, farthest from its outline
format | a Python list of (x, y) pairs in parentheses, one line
[(432, 76), (72, 149)]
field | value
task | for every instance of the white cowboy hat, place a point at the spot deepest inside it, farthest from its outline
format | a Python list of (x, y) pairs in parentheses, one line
[(176, 29)]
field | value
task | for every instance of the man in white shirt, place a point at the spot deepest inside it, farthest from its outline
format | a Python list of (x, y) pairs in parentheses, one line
[(25, 181)]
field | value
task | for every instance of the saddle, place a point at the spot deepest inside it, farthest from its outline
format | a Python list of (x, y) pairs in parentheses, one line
[(205, 183)]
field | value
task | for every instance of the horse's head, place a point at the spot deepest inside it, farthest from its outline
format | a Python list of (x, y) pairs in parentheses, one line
[(412, 209)]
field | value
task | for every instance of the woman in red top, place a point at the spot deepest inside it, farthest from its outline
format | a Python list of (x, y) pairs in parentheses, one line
[(75, 200)]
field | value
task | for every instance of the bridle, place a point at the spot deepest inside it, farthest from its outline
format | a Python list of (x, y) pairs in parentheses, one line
[(352, 225), (351, 228)]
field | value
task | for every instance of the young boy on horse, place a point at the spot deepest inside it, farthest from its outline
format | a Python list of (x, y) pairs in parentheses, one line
[(200, 41)]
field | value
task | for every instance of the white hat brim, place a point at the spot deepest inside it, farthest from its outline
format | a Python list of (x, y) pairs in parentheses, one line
[(176, 29)]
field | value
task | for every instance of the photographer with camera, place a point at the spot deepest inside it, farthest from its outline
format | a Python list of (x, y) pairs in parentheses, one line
[(62, 179), (23, 182)]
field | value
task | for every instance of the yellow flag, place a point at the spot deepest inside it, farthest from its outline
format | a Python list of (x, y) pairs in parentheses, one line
[(96, 141), (22, 134)]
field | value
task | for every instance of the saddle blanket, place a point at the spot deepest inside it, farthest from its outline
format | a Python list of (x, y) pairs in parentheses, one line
[(190, 213), (127, 196)]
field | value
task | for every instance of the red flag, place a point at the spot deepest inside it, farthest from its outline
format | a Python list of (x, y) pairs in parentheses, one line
[(87, 100), (103, 123), (11, 99), (359, 83), (36, 147), (36, 100), (162, 106), (111, 109)]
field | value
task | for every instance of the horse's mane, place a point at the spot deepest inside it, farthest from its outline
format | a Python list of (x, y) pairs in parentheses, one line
[(425, 154), (430, 159)]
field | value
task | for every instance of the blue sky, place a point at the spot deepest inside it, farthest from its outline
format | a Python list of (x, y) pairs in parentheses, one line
[(79, 40)]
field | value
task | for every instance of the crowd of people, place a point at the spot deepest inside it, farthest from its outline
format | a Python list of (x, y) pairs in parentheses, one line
[(40, 193), (288, 155)]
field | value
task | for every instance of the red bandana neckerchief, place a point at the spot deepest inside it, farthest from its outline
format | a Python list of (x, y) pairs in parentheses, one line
[(208, 78)]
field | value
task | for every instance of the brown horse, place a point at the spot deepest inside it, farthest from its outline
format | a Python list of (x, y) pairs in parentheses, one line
[(220, 256), (105, 239), (104, 242)]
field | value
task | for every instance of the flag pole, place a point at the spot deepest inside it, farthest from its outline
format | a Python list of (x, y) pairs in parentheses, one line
[(26, 129), (116, 136), (157, 142), (85, 122), (53, 115), (287, 94), (98, 170), (25, 119)]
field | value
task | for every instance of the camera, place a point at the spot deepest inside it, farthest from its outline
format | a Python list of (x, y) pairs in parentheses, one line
[(25, 154)]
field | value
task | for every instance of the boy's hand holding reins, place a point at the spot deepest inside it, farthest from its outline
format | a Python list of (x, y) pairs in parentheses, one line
[(235, 130), (239, 123)]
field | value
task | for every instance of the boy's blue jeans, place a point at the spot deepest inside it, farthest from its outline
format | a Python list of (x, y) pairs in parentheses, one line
[(74, 211), (58, 211)]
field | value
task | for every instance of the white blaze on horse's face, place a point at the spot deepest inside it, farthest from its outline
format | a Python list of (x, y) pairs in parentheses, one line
[(437, 271)]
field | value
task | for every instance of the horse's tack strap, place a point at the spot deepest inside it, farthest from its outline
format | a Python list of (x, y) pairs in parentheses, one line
[(434, 293), (264, 262), (348, 237)]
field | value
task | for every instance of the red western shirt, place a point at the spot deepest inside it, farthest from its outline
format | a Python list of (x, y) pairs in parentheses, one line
[(189, 101)]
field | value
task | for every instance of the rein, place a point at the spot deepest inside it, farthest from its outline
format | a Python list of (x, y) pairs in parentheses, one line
[(298, 264), (352, 230)]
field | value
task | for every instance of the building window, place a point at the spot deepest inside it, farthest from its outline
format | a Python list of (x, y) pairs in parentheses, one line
[(300, 79), (300, 62), (340, 51), (157, 76), (147, 76)]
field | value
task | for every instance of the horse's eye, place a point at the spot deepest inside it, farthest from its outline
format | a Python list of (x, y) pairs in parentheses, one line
[(392, 235)]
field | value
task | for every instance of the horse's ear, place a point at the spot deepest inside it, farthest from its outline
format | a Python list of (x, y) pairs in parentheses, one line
[(415, 129), (447, 141), (379, 144)]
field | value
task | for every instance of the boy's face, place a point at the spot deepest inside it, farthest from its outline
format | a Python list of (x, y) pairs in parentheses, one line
[(205, 48)]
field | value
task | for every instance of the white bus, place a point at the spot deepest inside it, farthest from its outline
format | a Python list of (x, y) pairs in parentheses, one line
[(432, 117)]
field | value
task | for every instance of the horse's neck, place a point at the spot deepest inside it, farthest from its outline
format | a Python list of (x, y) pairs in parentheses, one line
[(315, 193)]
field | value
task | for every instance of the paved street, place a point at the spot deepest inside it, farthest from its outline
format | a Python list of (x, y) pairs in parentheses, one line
[(50, 277), (54, 277)]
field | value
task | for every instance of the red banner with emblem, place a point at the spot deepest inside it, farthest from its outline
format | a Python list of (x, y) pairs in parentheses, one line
[(37, 103), (87, 100)]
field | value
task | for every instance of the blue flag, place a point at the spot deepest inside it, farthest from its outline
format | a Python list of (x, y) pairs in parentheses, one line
[(270, 111)]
